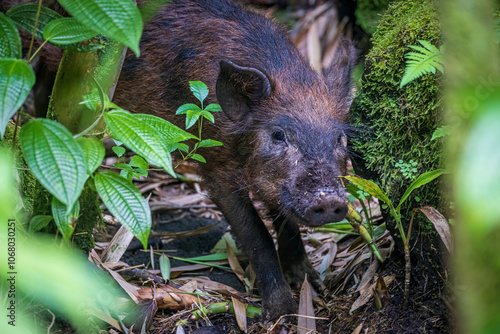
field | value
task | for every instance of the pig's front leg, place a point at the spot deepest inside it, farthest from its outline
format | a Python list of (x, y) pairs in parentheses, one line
[(293, 257), (258, 245)]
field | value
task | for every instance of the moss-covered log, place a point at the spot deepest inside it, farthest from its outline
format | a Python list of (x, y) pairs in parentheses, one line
[(397, 123)]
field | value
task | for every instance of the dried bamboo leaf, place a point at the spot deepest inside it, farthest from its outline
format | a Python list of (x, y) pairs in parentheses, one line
[(240, 314), (306, 322), (366, 296)]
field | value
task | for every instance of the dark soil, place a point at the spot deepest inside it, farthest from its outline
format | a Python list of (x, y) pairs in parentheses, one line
[(427, 311)]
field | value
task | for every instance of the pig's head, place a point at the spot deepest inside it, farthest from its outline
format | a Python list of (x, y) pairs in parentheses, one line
[(295, 141)]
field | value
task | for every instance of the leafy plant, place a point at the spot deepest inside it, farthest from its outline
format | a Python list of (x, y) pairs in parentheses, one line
[(373, 189), (409, 169), (195, 114), (63, 162), (426, 60)]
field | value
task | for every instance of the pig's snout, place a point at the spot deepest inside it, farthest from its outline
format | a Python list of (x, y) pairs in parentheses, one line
[(328, 207)]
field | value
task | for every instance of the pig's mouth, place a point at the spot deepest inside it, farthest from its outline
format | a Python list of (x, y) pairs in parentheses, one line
[(314, 209)]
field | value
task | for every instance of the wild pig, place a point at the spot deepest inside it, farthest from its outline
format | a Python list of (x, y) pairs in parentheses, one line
[(281, 125)]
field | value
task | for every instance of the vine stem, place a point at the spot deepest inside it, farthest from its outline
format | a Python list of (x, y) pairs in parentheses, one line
[(34, 29), (28, 56), (190, 154), (408, 264)]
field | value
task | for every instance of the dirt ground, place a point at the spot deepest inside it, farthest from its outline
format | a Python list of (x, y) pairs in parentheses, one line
[(429, 309)]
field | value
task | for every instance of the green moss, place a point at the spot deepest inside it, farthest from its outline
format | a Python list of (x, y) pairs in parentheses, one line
[(90, 216), (398, 123), (28, 182), (369, 12)]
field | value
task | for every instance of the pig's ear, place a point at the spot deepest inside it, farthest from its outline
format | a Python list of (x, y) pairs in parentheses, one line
[(338, 74), (239, 88)]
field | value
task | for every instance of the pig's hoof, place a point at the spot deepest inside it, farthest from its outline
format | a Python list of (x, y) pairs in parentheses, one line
[(279, 306), (295, 272)]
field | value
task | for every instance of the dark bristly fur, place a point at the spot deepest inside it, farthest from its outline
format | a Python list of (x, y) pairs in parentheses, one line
[(282, 127)]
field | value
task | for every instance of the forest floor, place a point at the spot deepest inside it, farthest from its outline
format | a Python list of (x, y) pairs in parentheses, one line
[(187, 225)]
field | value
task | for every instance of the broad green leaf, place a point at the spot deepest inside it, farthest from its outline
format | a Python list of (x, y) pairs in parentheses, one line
[(212, 107), (170, 132), (191, 117), (199, 89), (139, 137), (165, 267), (10, 41), (16, 79), (39, 222), (370, 187), (198, 157), (125, 203), (55, 158), (119, 151), (63, 219), (185, 107), (209, 143), (138, 161), (24, 15), (117, 19), (67, 30), (94, 152), (208, 115), (423, 179)]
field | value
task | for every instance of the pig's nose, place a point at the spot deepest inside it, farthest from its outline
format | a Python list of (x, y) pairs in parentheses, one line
[(327, 208)]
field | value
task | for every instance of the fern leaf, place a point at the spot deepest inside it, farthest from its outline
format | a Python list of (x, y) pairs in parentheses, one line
[(426, 60)]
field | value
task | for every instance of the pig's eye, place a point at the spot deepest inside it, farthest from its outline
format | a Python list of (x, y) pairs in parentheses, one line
[(278, 135)]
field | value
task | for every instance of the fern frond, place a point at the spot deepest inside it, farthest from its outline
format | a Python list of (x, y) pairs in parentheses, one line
[(426, 60)]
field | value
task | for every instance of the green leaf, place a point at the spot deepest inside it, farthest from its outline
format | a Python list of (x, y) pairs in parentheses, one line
[(67, 30), (138, 161), (55, 158), (93, 151), (208, 115), (165, 267), (127, 173), (370, 187), (170, 132), (125, 203), (213, 107), (191, 118), (426, 60), (423, 179), (198, 157), (199, 89), (186, 107), (117, 19), (10, 40), (119, 151), (24, 15), (441, 132), (209, 143), (140, 172), (94, 102), (139, 137), (39, 222), (16, 79), (63, 219), (179, 146)]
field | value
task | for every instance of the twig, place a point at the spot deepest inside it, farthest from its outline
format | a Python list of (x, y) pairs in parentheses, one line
[(408, 264)]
